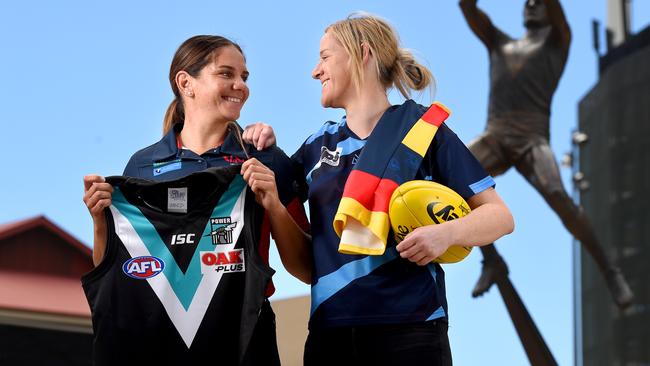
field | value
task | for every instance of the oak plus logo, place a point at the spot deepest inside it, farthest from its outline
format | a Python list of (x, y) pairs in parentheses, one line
[(222, 261), (221, 230)]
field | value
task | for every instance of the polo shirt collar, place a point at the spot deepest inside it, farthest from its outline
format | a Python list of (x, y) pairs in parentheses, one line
[(231, 145), (168, 147)]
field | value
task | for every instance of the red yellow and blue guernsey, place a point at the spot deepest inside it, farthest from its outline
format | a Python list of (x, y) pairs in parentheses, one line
[(360, 289), (362, 217)]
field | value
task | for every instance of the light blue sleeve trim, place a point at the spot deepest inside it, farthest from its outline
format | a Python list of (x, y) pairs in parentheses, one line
[(482, 185)]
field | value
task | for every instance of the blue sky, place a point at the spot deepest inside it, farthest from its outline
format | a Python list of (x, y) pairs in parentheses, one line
[(86, 86)]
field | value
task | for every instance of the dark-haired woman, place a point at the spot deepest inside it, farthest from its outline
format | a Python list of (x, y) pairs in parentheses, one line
[(208, 77)]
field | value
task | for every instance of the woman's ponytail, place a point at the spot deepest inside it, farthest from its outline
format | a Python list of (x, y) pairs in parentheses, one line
[(174, 115), (410, 74)]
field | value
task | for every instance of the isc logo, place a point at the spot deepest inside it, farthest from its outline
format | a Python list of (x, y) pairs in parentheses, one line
[(143, 267), (178, 239), (226, 261)]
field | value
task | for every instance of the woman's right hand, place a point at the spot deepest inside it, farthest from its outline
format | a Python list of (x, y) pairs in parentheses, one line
[(97, 196), (259, 135), (261, 179)]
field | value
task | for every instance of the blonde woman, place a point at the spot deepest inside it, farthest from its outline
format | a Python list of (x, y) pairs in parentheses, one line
[(387, 309)]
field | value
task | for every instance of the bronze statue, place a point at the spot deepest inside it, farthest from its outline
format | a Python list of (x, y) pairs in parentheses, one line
[(524, 74)]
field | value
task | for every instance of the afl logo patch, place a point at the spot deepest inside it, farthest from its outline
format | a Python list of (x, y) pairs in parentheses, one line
[(144, 267)]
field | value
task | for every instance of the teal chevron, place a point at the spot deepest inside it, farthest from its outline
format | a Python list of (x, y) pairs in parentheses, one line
[(185, 284)]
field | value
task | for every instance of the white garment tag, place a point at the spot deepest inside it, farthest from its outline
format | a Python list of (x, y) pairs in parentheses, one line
[(177, 200)]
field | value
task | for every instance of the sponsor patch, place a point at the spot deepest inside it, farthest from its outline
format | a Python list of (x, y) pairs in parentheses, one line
[(168, 166), (232, 159), (222, 261), (221, 230), (143, 267)]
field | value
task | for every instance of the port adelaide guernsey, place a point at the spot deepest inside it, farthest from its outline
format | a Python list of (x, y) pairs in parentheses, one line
[(181, 279)]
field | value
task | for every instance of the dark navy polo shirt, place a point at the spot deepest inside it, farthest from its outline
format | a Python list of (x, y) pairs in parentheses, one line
[(164, 161), (351, 290)]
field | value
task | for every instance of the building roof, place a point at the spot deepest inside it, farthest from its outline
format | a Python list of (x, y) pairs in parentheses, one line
[(18, 227), (42, 293), (40, 276)]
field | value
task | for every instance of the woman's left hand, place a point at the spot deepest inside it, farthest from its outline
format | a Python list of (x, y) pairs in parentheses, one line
[(426, 243), (262, 181)]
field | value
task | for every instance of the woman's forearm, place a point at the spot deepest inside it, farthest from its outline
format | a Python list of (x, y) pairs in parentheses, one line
[(294, 245), (489, 220)]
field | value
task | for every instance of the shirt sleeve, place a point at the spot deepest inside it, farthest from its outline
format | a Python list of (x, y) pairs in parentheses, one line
[(298, 167), (285, 178), (449, 162)]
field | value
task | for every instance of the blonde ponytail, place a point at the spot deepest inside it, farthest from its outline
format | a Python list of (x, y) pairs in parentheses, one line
[(396, 67), (410, 74)]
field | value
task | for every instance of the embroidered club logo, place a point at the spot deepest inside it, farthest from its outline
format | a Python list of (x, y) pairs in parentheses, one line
[(330, 157), (221, 230), (143, 267)]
